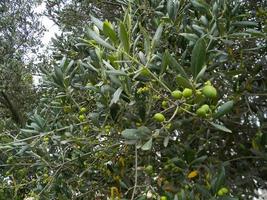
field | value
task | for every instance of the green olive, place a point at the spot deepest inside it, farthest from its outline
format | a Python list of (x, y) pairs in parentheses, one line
[(159, 117), (201, 112), (81, 117), (209, 91), (86, 128), (83, 110), (177, 94), (205, 107), (222, 191), (187, 92), (164, 104), (163, 198)]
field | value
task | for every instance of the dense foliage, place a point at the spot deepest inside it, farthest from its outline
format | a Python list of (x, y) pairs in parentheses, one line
[(169, 102), (19, 36)]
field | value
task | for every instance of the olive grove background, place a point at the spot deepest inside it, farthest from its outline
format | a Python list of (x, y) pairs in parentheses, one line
[(159, 99)]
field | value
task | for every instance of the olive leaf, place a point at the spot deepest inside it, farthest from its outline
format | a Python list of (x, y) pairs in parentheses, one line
[(198, 58)]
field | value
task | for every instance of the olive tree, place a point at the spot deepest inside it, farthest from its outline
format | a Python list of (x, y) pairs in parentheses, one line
[(169, 102), (20, 30)]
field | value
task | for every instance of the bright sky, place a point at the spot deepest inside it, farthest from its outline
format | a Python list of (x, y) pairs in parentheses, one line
[(51, 28)]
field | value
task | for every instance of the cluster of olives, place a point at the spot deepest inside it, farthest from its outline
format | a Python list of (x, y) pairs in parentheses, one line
[(82, 116), (208, 91)]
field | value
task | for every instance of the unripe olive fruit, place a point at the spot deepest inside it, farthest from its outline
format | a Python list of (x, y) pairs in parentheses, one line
[(187, 92), (209, 91), (159, 117), (149, 169), (163, 198), (205, 107), (81, 117), (83, 110), (177, 94), (222, 191), (201, 112), (164, 104), (46, 139), (225, 190), (86, 128)]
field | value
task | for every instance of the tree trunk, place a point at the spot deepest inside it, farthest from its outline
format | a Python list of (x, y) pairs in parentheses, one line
[(16, 116)]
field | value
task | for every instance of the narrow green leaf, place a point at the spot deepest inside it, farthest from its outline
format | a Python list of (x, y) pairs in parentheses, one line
[(136, 134), (69, 67), (130, 134), (219, 180), (19, 143), (237, 35), (182, 195), (199, 29), (124, 37), (116, 96), (176, 66), (93, 35), (199, 160), (62, 62), (200, 5), (201, 73), (89, 66), (256, 33), (23, 149), (198, 58), (147, 146), (123, 185), (157, 36), (245, 24), (142, 57), (29, 131), (109, 31), (224, 109), (115, 80), (59, 75), (164, 62), (147, 44), (221, 127), (190, 36), (39, 120), (166, 141), (143, 131), (97, 22), (170, 8), (185, 83), (116, 72)]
